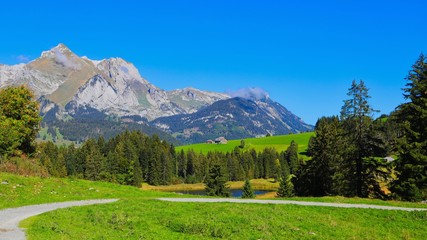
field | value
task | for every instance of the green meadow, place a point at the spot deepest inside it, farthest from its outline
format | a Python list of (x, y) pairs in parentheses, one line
[(137, 215), (280, 143)]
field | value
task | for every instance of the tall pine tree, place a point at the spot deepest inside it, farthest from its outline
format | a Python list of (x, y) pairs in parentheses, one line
[(248, 192), (321, 175), (412, 115), (356, 117), (292, 157), (216, 184), (286, 187)]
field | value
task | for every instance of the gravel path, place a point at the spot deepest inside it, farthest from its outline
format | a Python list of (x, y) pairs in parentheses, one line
[(10, 218), (318, 204)]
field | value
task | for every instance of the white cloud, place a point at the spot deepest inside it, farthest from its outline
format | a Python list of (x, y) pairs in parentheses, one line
[(63, 59), (23, 58), (253, 93)]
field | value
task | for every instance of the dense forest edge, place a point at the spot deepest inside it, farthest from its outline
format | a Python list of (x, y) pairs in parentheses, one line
[(351, 154)]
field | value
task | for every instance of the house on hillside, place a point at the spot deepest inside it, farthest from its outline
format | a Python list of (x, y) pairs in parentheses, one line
[(221, 140)]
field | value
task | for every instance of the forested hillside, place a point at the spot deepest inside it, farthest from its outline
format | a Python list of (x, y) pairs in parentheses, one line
[(133, 157)]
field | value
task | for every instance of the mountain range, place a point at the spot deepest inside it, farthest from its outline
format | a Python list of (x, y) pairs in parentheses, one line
[(76, 90)]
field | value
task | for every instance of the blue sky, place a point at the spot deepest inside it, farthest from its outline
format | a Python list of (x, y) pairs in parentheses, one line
[(304, 53)]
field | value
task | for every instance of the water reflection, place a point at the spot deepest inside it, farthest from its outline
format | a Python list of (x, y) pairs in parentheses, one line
[(234, 192)]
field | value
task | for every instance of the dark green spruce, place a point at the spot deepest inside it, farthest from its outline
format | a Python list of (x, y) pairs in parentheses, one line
[(216, 184), (286, 187), (412, 145), (356, 116), (248, 192)]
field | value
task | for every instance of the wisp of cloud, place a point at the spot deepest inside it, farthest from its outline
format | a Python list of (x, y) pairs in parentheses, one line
[(252, 93), (61, 58), (23, 58)]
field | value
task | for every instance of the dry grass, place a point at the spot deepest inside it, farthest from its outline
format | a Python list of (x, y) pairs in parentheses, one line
[(268, 195), (257, 184)]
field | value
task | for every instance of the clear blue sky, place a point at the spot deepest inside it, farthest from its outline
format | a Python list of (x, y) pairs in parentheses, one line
[(304, 53)]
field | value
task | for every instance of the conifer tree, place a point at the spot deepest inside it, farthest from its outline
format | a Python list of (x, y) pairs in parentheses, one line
[(137, 174), (216, 184), (412, 146), (93, 161), (277, 170), (321, 175), (60, 165), (182, 164), (248, 192), (242, 143), (356, 118), (292, 157), (286, 187)]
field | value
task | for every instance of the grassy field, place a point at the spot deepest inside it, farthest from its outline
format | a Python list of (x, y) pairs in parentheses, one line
[(138, 216), (280, 143), (150, 219)]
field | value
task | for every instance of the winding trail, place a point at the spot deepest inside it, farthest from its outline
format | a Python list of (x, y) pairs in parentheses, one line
[(10, 218), (318, 204)]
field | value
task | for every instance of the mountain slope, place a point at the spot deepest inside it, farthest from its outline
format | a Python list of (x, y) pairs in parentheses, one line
[(233, 118)]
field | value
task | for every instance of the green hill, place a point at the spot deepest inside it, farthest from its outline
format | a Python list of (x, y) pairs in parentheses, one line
[(280, 143)]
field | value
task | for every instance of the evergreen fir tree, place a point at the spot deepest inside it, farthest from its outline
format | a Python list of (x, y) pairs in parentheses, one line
[(356, 119), (292, 157), (248, 192), (216, 184), (242, 143), (137, 174), (277, 170), (412, 146), (286, 187), (322, 174)]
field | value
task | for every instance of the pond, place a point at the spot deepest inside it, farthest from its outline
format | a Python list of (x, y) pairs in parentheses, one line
[(234, 192)]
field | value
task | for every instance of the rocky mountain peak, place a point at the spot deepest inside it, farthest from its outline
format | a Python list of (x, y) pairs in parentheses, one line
[(118, 69), (60, 48)]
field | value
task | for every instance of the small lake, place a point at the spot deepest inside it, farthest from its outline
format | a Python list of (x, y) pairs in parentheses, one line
[(234, 192)]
